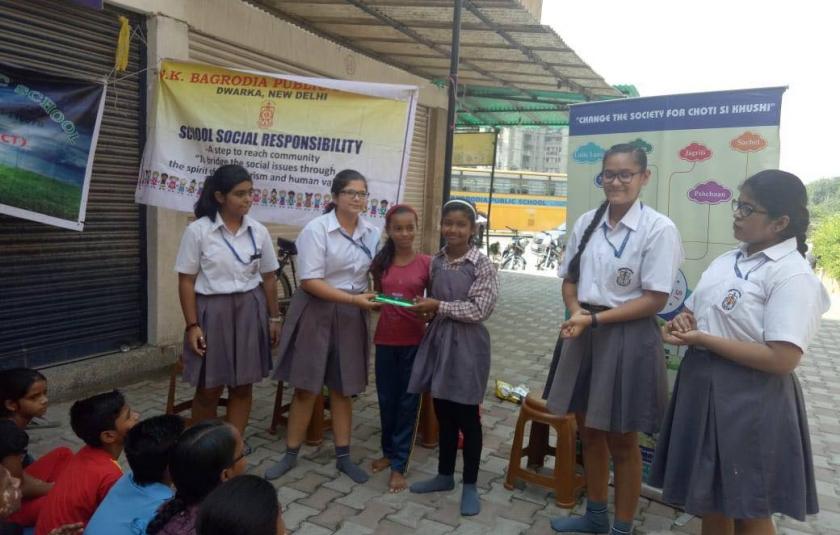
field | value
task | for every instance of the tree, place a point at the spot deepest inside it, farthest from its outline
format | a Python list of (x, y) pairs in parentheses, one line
[(823, 198), (826, 239)]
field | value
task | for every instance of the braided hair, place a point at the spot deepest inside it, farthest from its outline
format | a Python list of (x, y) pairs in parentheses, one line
[(385, 257), (782, 194), (202, 453), (639, 155)]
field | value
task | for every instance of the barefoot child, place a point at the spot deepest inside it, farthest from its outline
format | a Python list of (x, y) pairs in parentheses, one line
[(453, 360), (398, 271)]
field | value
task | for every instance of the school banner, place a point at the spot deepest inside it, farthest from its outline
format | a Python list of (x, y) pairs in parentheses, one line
[(48, 130), (700, 147), (473, 148), (292, 133)]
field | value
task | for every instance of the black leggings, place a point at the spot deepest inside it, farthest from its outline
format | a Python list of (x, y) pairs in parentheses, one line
[(453, 417)]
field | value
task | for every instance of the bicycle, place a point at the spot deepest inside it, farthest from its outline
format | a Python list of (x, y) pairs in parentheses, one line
[(286, 251)]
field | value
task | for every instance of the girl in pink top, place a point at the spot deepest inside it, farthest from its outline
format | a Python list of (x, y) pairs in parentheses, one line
[(401, 272)]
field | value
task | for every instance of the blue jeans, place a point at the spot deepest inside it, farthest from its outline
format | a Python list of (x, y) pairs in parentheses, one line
[(397, 408)]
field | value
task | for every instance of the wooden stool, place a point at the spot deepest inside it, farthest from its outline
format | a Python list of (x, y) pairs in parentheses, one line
[(317, 424), (177, 408), (565, 482), (428, 428)]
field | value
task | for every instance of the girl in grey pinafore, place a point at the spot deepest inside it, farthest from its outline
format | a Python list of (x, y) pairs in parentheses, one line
[(453, 360), (734, 446)]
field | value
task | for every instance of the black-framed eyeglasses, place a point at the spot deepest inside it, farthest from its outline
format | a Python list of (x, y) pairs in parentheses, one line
[(623, 176), (355, 194), (238, 458), (745, 209)]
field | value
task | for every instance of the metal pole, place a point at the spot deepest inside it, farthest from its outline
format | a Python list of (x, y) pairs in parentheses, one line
[(453, 89), (492, 179)]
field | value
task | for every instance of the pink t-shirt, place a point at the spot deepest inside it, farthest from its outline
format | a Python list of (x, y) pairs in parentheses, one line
[(397, 326)]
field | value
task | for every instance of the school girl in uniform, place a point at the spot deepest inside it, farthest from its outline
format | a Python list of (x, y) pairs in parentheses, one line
[(228, 288), (734, 447), (398, 270), (453, 360), (611, 372), (325, 338)]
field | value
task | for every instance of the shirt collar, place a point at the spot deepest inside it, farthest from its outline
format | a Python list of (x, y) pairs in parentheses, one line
[(247, 222), (630, 220), (774, 253), (363, 226), (472, 255)]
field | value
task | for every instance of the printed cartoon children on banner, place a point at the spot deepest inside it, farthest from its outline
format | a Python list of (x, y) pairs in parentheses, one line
[(700, 147), (292, 133), (48, 130)]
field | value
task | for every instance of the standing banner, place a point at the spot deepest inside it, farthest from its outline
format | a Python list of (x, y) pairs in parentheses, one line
[(48, 130), (292, 133), (700, 147), (473, 148)]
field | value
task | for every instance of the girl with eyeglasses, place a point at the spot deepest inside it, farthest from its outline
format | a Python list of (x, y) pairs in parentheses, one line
[(611, 371), (325, 338), (734, 447), (228, 292), (205, 456)]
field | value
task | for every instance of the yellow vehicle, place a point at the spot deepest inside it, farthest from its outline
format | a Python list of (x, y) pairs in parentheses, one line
[(524, 200)]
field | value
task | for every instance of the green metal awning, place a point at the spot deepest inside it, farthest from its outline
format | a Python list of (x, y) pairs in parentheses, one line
[(480, 106)]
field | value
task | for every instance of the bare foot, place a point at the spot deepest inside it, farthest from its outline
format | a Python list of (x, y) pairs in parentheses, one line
[(380, 464), (397, 483)]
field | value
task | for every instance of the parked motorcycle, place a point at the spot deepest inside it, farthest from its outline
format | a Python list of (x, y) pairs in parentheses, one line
[(549, 246), (513, 255)]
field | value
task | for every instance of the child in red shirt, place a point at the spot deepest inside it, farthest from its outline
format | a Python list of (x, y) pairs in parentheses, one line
[(23, 396), (101, 421), (400, 272)]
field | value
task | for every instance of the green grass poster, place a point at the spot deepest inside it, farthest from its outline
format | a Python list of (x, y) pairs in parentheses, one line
[(48, 130)]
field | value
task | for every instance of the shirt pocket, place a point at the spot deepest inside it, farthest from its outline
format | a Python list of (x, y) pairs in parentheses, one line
[(623, 275), (741, 306)]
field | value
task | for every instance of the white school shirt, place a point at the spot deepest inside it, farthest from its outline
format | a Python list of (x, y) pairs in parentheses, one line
[(206, 251), (776, 298), (642, 252), (326, 252)]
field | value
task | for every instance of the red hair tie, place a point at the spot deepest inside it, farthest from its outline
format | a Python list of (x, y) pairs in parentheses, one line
[(394, 208)]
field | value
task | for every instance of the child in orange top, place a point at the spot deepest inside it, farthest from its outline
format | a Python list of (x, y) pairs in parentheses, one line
[(102, 421)]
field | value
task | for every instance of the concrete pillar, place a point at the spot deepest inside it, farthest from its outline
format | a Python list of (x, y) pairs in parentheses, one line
[(167, 39)]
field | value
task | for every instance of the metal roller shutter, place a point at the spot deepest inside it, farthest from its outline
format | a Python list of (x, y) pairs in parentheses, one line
[(207, 49), (415, 181), (68, 294)]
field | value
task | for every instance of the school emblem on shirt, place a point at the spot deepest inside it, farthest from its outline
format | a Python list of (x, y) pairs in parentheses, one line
[(625, 275), (731, 299)]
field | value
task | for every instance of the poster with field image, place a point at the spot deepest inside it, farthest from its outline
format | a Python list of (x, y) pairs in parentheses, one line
[(48, 130)]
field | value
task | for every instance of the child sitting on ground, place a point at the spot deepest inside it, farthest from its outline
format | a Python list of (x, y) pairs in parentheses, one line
[(245, 505), (102, 422), (23, 396), (136, 497), (206, 455)]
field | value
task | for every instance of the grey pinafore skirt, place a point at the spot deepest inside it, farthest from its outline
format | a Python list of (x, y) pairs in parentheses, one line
[(735, 441), (324, 343), (453, 359), (616, 375), (238, 341)]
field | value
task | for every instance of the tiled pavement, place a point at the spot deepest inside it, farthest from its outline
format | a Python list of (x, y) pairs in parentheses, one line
[(316, 500)]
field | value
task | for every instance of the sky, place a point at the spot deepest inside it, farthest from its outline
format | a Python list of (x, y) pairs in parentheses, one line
[(666, 47)]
